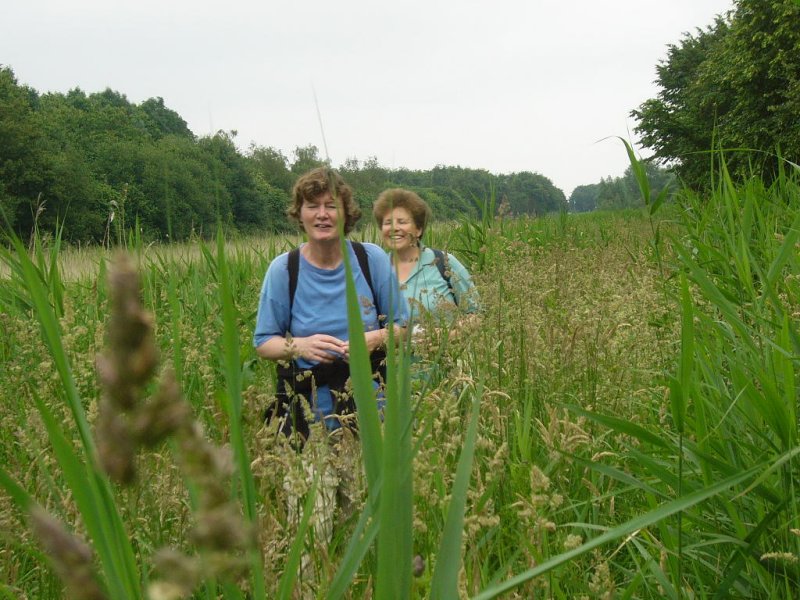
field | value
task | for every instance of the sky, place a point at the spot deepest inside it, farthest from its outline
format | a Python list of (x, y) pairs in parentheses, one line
[(503, 85)]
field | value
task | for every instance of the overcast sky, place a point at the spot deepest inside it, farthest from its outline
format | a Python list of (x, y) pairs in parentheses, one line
[(523, 85)]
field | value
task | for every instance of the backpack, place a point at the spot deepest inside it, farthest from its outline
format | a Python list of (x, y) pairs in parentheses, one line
[(441, 264), (285, 405)]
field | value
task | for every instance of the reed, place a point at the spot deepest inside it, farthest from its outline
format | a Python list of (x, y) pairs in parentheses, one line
[(621, 421)]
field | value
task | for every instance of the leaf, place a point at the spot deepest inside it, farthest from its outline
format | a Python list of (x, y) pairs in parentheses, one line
[(444, 584)]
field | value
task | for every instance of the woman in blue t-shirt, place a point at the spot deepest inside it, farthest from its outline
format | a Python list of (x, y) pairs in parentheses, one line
[(302, 325), (302, 311)]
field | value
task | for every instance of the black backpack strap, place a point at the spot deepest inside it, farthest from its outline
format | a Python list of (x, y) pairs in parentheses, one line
[(363, 262), (293, 265), (441, 261)]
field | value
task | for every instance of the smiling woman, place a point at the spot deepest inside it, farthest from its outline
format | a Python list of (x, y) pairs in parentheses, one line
[(432, 281), (302, 313), (302, 323)]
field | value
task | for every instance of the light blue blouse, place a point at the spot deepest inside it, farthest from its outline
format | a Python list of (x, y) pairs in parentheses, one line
[(425, 289)]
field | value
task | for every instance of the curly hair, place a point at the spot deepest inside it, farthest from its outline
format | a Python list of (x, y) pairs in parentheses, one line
[(393, 198), (320, 181)]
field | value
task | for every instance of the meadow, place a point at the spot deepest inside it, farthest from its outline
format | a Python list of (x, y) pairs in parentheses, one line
[(619, 423)]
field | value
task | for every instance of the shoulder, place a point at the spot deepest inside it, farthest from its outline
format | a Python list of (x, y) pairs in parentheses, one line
[(427, 254), (371, 249), (453, 260), (375, 254), (279, 267)]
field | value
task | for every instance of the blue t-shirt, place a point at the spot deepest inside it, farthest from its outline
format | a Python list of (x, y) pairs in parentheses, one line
[(320, 304)]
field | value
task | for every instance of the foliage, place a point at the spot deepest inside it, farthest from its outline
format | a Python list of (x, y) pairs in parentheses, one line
[(637, 411), (584, 198), (271, 166), (101, 165), (455, 191), (733, 86), (620, 192)]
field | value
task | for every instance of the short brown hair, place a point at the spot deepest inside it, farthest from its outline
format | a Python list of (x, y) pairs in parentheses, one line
[(388, 200), (320, 181)]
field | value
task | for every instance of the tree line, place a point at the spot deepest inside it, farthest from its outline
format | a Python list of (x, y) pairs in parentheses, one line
[(97, 164)]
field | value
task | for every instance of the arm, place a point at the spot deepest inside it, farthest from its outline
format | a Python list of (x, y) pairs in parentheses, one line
[(315, 348), (379, 337), (463, 287)]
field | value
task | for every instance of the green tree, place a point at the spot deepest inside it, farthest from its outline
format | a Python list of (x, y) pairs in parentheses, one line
[(237, 186), (160, 120), (22, 157), (734, 86), (305, 159), (584, 198), (272, 166), (368, 179), (530, 193)]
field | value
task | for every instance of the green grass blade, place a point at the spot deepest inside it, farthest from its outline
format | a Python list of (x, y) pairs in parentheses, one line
[(622, 426), (444, 584), (369, 424), (639, 172), (679, 398), (232, 367), (364, 534), (396, 499), (646, 520), (98, 512), (289, 576), (52, 338), (97, 506), (787, 251), (21, 498)]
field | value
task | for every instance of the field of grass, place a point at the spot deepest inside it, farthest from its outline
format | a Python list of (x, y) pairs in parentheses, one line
[(620, 423)]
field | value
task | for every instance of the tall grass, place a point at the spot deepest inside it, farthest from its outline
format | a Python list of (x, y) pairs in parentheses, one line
[(621, 422)]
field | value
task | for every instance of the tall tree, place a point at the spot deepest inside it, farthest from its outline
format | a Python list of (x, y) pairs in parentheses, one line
[(305, 159), (735, 85), (22, 158), (272, 166), (160, 120), (584, 198)]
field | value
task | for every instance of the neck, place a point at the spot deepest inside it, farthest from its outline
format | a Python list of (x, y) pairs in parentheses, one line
[(324, 255), (408, 255)]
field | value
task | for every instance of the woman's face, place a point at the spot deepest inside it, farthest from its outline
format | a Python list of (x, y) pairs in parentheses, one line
[(320, 218), (399, 230)]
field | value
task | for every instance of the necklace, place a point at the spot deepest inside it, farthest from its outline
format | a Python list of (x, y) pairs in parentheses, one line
[(413, 259)]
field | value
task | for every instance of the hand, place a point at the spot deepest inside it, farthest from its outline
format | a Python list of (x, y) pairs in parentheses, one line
[(320, 348)]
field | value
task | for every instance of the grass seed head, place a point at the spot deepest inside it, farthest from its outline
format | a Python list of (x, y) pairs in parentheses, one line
[(116, 447), (166, 413), (70, 556), (132, 356)]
